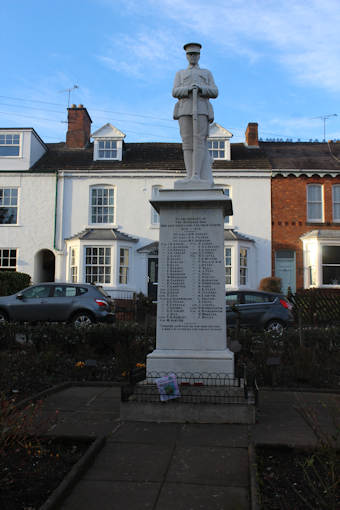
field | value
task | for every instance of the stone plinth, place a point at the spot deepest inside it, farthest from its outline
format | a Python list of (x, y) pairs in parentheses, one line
[(191, 320)]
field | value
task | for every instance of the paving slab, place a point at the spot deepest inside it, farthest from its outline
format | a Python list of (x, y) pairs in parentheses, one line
[(103, 495), (72, 398), (323, 415), (146, 432), (282, 424), (131, 462), (214, 434), (196, 497), (84, 423), (209, 466)]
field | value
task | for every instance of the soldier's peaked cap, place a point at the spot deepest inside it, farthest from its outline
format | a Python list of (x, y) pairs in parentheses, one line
[(193, 47)]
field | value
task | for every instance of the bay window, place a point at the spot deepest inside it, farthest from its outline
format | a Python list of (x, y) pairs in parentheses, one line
[(98, 264), (123, 265)]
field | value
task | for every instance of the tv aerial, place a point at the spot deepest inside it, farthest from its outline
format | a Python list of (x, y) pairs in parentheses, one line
[(324, 118), (69, 93)]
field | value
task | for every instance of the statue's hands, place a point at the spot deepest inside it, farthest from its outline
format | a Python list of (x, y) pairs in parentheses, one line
[(196, 86)]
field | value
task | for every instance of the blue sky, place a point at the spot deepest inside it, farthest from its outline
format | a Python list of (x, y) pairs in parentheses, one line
[(275, 63)]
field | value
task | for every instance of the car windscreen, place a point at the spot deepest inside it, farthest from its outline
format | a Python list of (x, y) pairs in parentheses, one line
[(257, 298), (231, 299)]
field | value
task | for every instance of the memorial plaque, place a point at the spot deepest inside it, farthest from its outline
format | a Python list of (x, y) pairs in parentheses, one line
[(191, 292), (191, 320)]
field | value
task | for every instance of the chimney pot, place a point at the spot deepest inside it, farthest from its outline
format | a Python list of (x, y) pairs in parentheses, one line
[(80, 106)]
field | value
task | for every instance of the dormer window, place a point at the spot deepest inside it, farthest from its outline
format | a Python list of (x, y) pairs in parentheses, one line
[(219, 142), (9, 145), (107, 149), (217, 149), (108, 143)]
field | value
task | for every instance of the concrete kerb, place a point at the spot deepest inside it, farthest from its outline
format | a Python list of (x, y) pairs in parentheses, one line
[(77, 471), (253, 482)]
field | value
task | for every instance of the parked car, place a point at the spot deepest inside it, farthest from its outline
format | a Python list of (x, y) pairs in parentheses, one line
[(257, 309), (81, 304)]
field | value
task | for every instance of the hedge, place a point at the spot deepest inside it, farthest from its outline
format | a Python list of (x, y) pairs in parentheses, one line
[(12, 281)]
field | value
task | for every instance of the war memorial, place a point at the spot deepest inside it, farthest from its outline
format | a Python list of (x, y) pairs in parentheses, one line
[(191, 352)]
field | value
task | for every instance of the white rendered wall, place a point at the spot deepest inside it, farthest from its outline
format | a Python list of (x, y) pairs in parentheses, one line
[(251, 198), (250, 193), (35, 228)]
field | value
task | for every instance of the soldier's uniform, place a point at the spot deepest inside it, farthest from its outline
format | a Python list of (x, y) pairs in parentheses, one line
[(184, 80)]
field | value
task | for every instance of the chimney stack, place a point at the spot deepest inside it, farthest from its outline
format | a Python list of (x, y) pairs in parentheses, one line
[(252, 137), (79, 127)]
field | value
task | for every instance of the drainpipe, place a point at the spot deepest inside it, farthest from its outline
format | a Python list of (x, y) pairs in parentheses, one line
[(55, 212)]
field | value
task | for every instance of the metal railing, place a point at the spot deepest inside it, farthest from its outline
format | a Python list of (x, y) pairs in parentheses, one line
[(194, 388)]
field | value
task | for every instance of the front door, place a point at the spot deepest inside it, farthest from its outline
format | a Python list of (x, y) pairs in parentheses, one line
[(285, 268), (152, 278)]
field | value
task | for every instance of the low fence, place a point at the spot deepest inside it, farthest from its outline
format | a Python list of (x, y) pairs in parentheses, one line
[(316, 306), (138, 309), (192, 388)]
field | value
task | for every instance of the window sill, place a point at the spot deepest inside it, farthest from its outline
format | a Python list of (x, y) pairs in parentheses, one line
[(154, 225), (10, 225)]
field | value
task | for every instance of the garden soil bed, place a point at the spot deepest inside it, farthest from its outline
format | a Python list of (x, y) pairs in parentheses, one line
[(29, 474), (294, 479)]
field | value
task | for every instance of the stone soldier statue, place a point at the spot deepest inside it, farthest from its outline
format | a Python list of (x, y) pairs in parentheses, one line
[(193, 87)]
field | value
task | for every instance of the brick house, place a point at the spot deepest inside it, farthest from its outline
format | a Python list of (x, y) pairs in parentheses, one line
[(305, 205)]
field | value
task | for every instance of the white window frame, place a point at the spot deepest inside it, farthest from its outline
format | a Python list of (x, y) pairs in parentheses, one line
[(5, 259), (118, 149), (244, 267), (105, 187), (228, 265), (11, 204), (3, 143), (74, 268), (99, 259), (227, 192), (154, 214), (124, 268), (320, 218), (322, 246), (336, 203), (217, 149)]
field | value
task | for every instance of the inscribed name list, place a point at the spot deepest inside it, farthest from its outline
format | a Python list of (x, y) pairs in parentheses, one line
[(191, 298)]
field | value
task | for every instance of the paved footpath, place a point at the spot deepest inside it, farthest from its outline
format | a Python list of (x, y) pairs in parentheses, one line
[(183, 466)]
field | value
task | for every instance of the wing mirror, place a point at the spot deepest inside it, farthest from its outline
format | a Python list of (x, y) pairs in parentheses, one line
[(20, 296)]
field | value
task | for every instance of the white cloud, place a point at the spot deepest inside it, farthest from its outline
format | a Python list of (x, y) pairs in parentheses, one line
[(143, 54), (303, 35)]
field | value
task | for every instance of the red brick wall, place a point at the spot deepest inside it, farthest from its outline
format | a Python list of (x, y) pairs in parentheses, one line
[(79, 127), (289, 215)]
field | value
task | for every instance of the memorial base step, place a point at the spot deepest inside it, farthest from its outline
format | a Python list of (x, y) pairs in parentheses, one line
[(197, 404)]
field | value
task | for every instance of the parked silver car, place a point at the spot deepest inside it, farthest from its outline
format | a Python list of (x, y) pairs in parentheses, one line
[(258, 309), (79, 303)]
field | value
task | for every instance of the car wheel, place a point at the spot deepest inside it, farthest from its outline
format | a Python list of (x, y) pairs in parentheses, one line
[(275, 327), (3, 317), (82, 319)]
